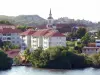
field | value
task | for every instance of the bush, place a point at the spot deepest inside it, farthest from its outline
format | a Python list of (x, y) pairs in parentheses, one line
[(57, 58), (5, 62), (17, 60)]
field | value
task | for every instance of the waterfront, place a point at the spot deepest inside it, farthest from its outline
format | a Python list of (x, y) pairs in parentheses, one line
[(22, 70)]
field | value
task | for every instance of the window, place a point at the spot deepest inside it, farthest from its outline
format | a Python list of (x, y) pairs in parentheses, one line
[(50, 42), (23, 36), (13, 41), (17, 37), (13, 38), (96, 49), (35, 45), (4, 34), (98, 46), (8, 34), (4, 38), (23, 44), (97, 41), (59, 37), (34, 37), (17, 41), (8, 38)]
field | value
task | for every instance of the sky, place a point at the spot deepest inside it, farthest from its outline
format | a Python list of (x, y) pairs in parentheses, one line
[(74, 9)]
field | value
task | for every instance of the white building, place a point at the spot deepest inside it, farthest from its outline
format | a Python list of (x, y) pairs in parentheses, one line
[(37, 38), (26, 39), (46, 38), (91, 50), (53, 38), (10, 33), (98, 43)]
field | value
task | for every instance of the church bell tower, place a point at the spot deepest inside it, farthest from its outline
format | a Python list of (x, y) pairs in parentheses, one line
[(50, 21)]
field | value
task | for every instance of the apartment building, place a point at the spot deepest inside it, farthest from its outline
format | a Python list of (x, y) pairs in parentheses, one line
[(10, 33), (46, 38), (26, 38)]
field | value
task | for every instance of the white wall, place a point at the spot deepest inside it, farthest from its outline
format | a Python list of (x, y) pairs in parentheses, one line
[(34, 42), (14, 38), (91, 51), (97, 43), (54, 41)]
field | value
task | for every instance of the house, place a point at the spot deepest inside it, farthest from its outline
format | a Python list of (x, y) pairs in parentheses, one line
[(91, 50)]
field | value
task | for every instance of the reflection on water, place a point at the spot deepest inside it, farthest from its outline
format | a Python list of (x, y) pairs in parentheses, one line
[(32, 71)]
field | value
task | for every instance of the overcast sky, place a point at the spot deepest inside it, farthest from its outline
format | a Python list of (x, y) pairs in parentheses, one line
[(77, 9)]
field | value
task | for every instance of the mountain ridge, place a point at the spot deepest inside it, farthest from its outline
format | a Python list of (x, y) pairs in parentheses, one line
[(34, 20)]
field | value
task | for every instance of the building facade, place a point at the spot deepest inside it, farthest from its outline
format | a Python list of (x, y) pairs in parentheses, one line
[(98, 43), (10, 33), (43, 38), (91, 50), (26, 39)]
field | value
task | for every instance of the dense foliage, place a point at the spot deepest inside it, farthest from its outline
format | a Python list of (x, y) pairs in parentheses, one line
[(5, 62), (22, 27), (86, 39), (6, 45), (58, 58), (5, 22), (81, 32), (78, 33)]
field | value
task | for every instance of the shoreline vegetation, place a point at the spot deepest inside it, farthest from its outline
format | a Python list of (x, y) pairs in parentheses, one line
[(59, 58), (6, 62)]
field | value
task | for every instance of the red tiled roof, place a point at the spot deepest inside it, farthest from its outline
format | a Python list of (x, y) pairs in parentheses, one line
[(41, 32), (47, 32), (54, 34), (9, 30), (12, 53), (91, 44), (28, 32)]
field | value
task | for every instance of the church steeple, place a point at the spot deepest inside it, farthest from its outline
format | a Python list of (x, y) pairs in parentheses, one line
[(50, 15), (50, 21)]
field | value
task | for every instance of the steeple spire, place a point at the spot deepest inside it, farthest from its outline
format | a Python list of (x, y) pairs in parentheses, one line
[(51, 21), (50, 15), (50, 12)]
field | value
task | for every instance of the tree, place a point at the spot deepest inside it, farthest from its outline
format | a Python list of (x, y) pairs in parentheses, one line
[(1, 43), (96, 60), (27, 54), (5, 22), (22, 28), (57, 58), (98, 34), (5, 62), (86, 39), (35, 58), (81, 32)]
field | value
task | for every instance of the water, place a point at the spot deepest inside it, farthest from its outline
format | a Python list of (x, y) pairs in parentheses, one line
[(32, 71)]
